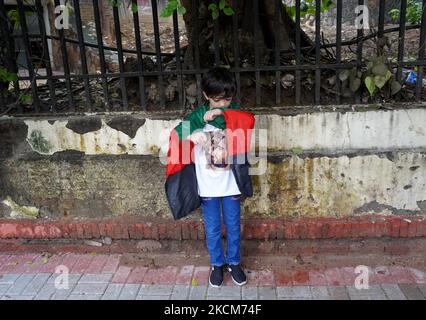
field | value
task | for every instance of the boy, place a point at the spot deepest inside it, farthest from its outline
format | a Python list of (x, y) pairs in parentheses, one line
[(215, 176)]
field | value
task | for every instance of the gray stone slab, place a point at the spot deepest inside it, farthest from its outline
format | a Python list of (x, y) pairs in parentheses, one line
[(90, 288), (9, 278), (412, 292), (19, 285), (156, 289), (320, 293), (16, 297), (393, 292), (96, 278), (224, 291), (249, 293), (374, 292), (294, 292), (84, 297), (36, 284), (267, 293), (129, 292), (162, 297), (198, 293), (338, 293), (180, 292), (113, 291)]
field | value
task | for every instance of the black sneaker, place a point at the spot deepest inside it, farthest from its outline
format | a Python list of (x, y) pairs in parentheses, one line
[(216, 276), (237, 274)]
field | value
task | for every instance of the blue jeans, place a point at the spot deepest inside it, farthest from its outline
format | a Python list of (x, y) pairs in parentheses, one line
[(213, 228)]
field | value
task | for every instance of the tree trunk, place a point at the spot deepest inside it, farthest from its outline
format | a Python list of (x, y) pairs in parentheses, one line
[(245, 15)]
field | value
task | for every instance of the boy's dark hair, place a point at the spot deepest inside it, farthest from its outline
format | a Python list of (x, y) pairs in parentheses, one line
[(218, 83)]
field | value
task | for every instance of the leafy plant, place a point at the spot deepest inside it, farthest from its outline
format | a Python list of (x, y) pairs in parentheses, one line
[(171, 6), (413, 13), (376, 78), (215, 9), (308, 7)]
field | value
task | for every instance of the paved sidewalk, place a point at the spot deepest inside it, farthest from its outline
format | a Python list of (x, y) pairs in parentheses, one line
[(105, 277)]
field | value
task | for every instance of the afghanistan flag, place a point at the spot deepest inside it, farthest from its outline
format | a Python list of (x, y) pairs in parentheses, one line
[(181, 182)]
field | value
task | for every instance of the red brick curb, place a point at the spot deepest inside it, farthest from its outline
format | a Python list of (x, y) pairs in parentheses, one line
[(371, 226)]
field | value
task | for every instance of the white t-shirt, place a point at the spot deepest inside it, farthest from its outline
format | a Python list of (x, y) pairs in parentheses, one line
[(214, 180)]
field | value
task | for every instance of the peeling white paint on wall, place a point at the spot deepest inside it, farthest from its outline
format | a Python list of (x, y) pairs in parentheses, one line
[(350, 130), (325, 131), (151, 136)]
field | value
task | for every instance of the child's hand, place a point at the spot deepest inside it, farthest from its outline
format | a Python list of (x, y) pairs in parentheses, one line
[(211, 114), (198, 137)]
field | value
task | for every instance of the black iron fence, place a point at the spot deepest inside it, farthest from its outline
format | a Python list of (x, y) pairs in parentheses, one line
[(307, 71)]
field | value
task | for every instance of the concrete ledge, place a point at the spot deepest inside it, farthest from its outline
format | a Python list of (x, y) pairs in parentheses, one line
[(366, 226)]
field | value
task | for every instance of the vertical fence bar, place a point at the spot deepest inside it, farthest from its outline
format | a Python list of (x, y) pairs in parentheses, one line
[(196, 53), (11, 61), (298, 71), (139, 55), (236, 49), (102, 63), (401, 39), (216, 38), (419, 84), (158, 52), (338, 49), (317, 50), (24, 30), (117, 30), (359, 48), (66, 66), (256, 49), (46, 55), (381, 18), (178, 56), (82, 53), (277, 51)]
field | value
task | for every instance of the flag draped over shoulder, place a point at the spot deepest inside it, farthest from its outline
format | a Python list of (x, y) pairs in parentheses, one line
[(181, 183)]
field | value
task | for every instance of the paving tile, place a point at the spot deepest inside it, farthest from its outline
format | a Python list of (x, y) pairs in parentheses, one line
[(180, 292), (392, 291), (267, 293), (374, 292), (113, 291), (129, 292), (249, 293), (198, 293), (411, 292), (90, 288), (156, 289)]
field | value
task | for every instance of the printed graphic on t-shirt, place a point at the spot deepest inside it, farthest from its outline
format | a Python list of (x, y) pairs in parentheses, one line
[(215, 150)]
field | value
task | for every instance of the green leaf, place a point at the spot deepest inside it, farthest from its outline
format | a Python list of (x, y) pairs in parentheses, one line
[(296, 151), (212, 6), (25, 98), (222, 4), (228, 11), (182, 10), (379, 81), (388, 75), (369, 83), (395, 87), (134, 7)]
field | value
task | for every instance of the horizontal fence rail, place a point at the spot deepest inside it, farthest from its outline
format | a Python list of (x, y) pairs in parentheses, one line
[(274, 57)]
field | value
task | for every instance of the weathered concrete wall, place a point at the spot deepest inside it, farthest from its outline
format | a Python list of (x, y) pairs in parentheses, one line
[(347, 163)]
